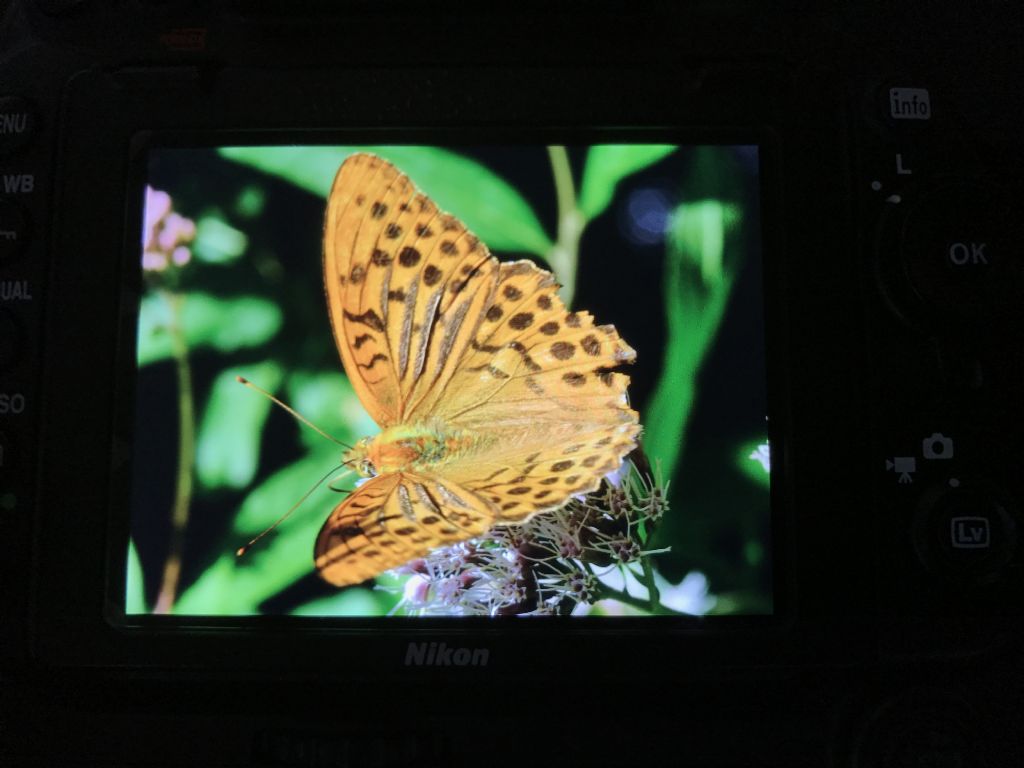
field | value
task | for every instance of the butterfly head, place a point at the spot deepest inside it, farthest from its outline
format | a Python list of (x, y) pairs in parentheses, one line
[(358, 457)]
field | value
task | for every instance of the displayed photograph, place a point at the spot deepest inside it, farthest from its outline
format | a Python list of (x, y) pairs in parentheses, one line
[(432, 381)]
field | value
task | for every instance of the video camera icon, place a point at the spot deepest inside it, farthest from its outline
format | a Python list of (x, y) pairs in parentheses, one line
[(905, 466)]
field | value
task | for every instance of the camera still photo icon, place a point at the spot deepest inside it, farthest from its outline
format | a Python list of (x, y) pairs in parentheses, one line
[(937, 447)]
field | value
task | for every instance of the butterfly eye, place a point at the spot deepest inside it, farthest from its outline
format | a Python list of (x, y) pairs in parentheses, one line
[(366, 468)]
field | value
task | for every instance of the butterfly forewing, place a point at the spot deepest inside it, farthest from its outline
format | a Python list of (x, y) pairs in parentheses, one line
[(352, 228), (405, 285)]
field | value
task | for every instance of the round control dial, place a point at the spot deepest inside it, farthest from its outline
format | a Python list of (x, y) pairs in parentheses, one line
[(956, 255), (964, 532)]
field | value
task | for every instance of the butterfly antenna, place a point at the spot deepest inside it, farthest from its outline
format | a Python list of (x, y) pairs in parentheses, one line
[(243, 549), (292, 411)]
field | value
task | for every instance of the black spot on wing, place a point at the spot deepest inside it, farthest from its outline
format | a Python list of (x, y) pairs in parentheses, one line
[(368, 318), (377, 358)]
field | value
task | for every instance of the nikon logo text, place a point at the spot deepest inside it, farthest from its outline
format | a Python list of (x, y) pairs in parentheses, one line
[(440, 655)]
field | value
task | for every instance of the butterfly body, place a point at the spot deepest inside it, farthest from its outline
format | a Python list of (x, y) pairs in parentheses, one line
[(407, 448), (495, 402)]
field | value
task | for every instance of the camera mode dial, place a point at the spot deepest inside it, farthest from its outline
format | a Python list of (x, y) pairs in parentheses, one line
[(964, 532), (953, 256)]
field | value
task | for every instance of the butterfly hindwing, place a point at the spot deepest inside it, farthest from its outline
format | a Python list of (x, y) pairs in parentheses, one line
[(521, 484), (392, 519), (539, 379)]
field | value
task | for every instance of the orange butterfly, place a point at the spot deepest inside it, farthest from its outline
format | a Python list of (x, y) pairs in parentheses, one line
[(494, 402)]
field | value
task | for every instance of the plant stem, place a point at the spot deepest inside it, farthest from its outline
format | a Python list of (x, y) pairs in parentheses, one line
[(186, 459), (564, 255), (653, 596), (651, 604), (607, 593)]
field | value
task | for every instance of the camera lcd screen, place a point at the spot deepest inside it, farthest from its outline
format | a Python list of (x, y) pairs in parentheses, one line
[(397, 381)]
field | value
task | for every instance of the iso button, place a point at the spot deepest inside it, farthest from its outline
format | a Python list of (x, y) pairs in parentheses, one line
[(14, 231), (964, 534), (18, 123), (960, 248)]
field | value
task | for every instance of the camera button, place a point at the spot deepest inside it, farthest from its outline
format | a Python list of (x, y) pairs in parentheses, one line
[(14, 231), (964, 533), (18, 123)]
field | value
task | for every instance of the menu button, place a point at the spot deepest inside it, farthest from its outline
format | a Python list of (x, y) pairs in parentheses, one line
[(18, 123)]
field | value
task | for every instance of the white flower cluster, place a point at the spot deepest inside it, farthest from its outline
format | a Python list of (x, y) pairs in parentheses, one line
[(549, 564)]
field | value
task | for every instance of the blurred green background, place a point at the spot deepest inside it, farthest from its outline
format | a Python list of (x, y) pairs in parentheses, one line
[(660, 240)]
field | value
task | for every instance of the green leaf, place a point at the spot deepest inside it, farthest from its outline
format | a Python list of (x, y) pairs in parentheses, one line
[(205, 321), (228, 445), (349, 602), (250, 202), (235, 585), (282, 490), (742, 602), (607, 165), (329, 401), (484, 201), (753, 552), (309, 168), (238, 586), (217, 242), (697, 284), (135, 587), (698, 234)]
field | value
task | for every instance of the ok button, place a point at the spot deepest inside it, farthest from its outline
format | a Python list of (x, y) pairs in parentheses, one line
[(968, 254), (959, 247)]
